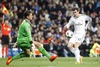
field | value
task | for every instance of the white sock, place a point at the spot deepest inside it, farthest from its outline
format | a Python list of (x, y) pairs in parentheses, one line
[(77, 54), (73, 50)]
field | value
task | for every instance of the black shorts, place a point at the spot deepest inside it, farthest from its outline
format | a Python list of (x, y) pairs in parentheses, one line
[(5, 39)]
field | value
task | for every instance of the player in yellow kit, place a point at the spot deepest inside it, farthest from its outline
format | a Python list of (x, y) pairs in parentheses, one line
[(93, 49)]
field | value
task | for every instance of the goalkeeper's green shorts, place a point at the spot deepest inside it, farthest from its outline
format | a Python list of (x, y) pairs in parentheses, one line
[(25, 46)]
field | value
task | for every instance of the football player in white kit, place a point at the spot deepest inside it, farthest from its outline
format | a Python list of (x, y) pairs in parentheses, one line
[(80, 26)]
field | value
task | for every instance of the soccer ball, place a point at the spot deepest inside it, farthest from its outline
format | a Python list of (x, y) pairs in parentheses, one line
[(69, 33)]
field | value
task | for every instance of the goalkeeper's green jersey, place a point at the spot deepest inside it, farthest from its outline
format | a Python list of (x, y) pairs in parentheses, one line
[(24, 33)]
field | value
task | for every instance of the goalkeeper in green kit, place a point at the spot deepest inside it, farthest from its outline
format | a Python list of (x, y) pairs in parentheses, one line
[(24, 41)]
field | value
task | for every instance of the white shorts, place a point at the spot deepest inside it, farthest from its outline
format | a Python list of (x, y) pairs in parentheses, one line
[(77, 38)]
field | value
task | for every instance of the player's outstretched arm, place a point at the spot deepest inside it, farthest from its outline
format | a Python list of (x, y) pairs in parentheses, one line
[(88, 24)]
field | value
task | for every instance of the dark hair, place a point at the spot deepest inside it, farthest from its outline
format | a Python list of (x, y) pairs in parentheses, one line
[(27, 13), (75, 9)]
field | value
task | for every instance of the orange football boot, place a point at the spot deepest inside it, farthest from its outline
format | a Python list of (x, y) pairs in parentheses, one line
[(9, 60), (53, 58)]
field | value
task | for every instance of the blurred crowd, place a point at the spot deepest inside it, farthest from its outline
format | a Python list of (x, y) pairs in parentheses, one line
[(49, 17)]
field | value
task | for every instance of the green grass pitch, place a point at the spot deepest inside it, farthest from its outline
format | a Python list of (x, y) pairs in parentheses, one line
[(44, 62)]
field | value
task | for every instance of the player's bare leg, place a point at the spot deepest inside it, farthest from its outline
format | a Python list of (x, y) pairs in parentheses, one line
[(70, 46)]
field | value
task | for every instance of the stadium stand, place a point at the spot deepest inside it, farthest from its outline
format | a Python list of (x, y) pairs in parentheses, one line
[(49, 18)]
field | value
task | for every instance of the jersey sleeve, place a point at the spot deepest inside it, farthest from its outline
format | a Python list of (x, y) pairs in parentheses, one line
[(88, 21), (70, 22)]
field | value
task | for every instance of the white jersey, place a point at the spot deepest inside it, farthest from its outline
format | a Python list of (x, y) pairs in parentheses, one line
[(79, 23)]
